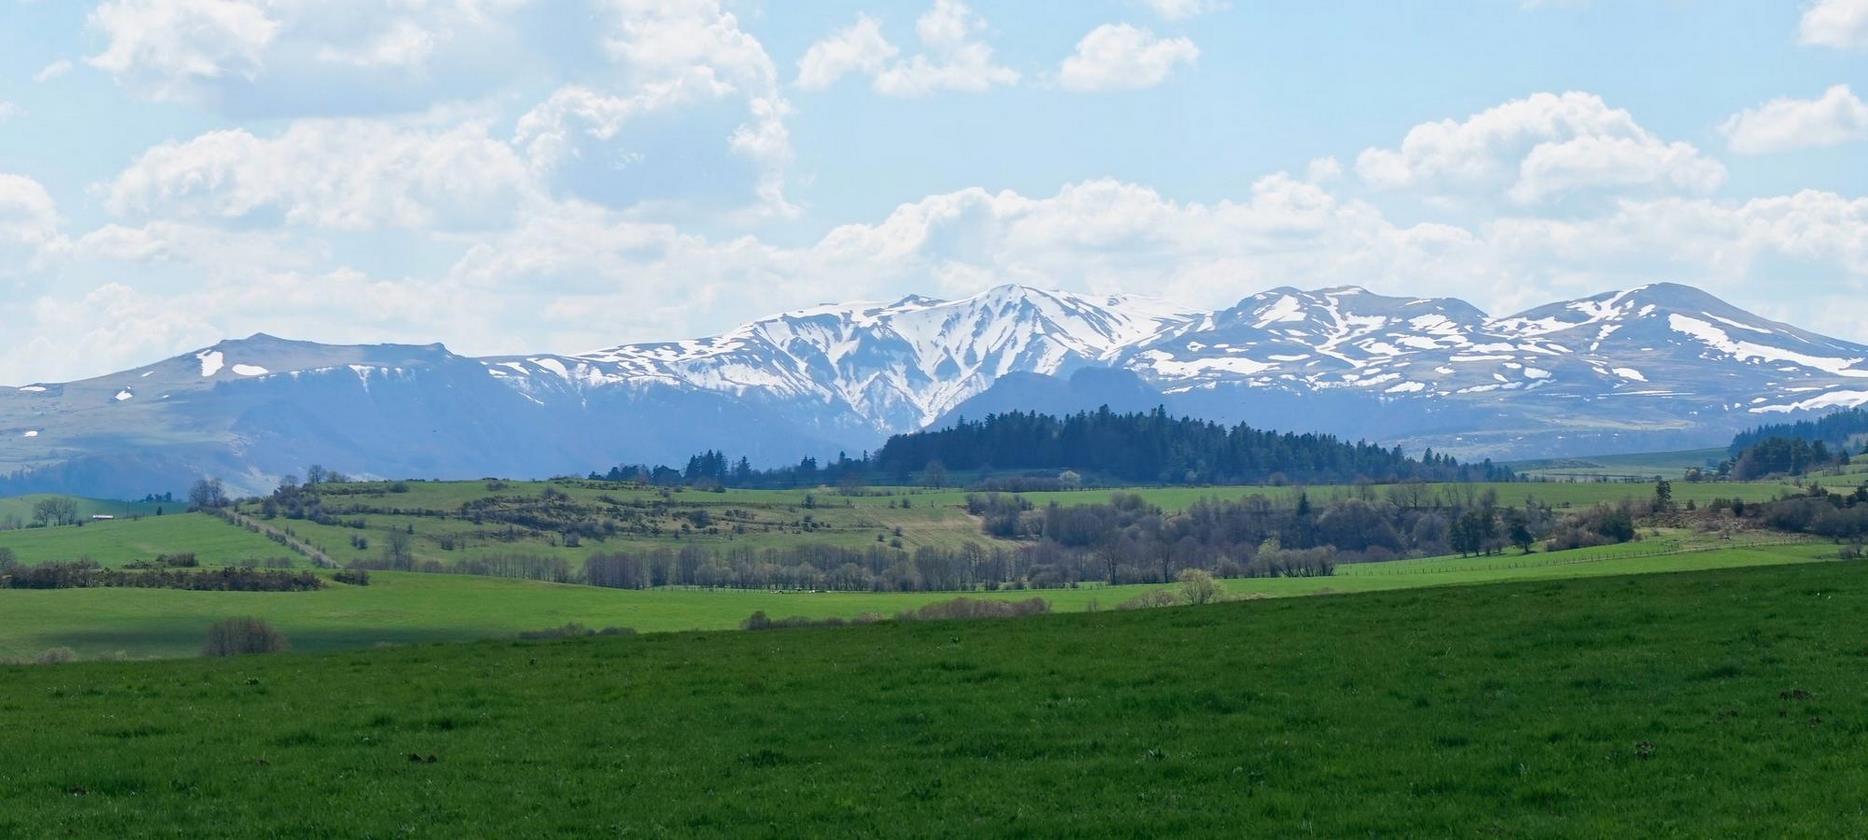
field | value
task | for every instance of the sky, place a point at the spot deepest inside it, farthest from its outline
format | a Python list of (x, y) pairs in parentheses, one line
[(510, 176)]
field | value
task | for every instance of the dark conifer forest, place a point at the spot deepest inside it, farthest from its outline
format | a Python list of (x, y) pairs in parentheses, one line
[(1100, 446)]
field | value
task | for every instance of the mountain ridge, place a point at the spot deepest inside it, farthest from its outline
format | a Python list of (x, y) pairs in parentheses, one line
[(1657, 363)]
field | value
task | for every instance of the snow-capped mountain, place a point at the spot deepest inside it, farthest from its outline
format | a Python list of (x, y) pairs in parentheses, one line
[(1664, 340), (1656, 367), (898, 365)]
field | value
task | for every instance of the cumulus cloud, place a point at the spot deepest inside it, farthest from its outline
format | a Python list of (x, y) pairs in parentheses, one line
[(672, 54), (338, 174), (167, 48), (296, 56), (562, 261), (952, 57), (1122, 57), (28, 215), (1842, 24), (1539, 148), (857, 48), (1781, 125)]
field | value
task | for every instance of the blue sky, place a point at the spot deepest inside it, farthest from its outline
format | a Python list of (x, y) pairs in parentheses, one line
[(515, 175)]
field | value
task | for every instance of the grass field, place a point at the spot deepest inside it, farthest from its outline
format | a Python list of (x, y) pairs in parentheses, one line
[(906, 516), (912, 517), (1719, 703), (16, 511), (410, 608), (120, 541), (1671, 465)]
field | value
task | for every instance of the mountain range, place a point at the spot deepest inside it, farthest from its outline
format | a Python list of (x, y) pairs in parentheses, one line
[(1661, 366)]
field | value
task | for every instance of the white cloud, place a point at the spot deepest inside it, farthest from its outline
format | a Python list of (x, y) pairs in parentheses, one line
[(1779, 125), (297, 56), (340, 174), (1183, 9), (1835, 23), (1537, 149), (953, 58), (672, 54), (561, 261), (1738, 249), (9, 110), (53, 70), (166, 48), (857, 48), (1122, 57), (28, 215)]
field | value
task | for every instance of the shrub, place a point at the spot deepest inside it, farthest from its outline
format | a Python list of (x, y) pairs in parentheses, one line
[(54, 656), (574, 630), (1198, 587), (1150, 599), (760, 621), (972, 608), (239, 636), (354, 577), (84, 574)]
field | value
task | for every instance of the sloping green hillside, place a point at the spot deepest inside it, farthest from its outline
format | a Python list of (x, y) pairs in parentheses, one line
[(1720, 703)]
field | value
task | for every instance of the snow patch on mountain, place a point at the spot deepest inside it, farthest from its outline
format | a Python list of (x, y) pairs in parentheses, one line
[(1747, 350), (211, 361)]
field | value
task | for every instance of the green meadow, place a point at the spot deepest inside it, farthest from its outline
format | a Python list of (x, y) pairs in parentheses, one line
[(1707, 703), (905, 517), (116, 542), (403, 608)]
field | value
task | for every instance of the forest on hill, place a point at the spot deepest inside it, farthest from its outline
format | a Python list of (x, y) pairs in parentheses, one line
[(1153, 447), (1030, 451), (1836, 430)]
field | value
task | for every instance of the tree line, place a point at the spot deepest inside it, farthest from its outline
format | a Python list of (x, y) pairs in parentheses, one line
[(1141, 447), (1835, 429), (1790, 456), (80, 575)]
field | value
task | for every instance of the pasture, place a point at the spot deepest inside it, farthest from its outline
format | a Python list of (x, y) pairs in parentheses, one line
[(434, 514), (114, 543), (1711, 703), (404, 608)]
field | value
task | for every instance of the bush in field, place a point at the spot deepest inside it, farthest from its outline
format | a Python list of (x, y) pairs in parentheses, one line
[(239, 636), (574, 630), (971, 608), (54, 656), (760, 621), (1198, 586), (1151, 599), (1600, 525), (354, 577)]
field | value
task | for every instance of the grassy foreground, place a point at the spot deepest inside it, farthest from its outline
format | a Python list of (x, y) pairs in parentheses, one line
[(411, 608), (1722, 703)]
